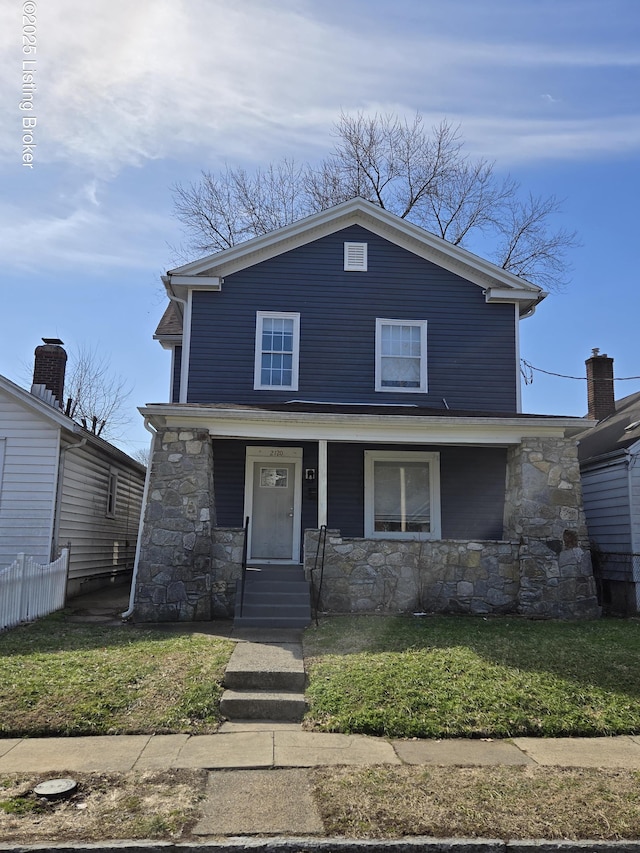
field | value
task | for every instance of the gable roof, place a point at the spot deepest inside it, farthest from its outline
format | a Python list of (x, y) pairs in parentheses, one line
[(497, 284), (58, 418), (614, 434), (40, 407)]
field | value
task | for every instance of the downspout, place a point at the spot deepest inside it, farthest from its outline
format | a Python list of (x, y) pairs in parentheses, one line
[(186, 337), (145, 492)]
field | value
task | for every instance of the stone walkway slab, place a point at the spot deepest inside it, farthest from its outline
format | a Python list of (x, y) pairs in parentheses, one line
[(259, 802), (308, 749), (112, 753), (622, 752), (459, 752), (251, 750)]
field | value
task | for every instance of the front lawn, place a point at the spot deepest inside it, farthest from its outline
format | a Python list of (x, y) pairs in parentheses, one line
[(456, 676), (61, 678)]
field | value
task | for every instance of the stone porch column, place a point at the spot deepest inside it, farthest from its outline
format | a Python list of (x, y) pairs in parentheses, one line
[(174, 579), (544, 514)]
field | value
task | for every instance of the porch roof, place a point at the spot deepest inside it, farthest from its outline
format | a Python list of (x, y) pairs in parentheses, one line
[(361, 423)]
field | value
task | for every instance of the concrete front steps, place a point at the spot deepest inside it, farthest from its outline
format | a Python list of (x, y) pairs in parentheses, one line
[(265, 681), (274, 597)]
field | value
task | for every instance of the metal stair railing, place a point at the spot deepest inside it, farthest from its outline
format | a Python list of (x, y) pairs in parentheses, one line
[(322, 540), (243, 579)]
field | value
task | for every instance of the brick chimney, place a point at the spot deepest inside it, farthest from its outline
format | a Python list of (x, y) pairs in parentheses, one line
[(49, 367), (600, 393)]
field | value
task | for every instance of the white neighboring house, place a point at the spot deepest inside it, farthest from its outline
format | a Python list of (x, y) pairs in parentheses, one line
[(609, 455), (61, 485)]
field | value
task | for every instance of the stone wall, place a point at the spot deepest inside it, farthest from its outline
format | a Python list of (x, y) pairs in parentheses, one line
[(174, 580), (385, 575), (542, 568), (544, 514), (228, 547)]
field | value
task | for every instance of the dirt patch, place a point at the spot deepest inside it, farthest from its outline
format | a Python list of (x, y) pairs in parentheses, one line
[(490, 802), (161, 805)]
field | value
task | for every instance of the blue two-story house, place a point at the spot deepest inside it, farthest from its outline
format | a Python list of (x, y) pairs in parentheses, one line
[(354, 373)]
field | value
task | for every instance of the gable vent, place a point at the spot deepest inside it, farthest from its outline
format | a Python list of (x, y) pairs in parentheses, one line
[(355, 257)]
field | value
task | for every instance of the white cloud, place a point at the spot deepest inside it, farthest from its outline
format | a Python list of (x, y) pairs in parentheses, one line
[(81, 237), (247, 80)]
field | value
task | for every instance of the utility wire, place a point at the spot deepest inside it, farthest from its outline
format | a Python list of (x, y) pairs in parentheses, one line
[(527, 372)]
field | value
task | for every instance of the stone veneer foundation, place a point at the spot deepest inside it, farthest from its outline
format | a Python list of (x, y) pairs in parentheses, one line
[(188, 567)]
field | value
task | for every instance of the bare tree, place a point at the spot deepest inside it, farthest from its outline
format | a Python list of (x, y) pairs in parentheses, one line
[(423, 176), (95, 396), (142, 455)]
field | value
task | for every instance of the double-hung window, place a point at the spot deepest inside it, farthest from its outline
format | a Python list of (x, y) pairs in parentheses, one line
[(401, 355), (277, 350), (402, 495)]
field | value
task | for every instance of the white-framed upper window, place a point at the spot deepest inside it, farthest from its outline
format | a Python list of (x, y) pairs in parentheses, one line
[(277, 350), (402, 494), (112, 493), (401, 355), (355, 257)]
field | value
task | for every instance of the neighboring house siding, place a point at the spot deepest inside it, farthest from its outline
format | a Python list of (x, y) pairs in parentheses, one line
[(472, 484), (634, 491), (99, 543), (28, 483), (605, 493), (471, 348)]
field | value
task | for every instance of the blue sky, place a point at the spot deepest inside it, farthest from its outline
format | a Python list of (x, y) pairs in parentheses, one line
[(131, 98)]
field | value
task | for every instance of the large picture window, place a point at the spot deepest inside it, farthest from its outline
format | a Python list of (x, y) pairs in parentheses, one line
[(401, 355), (402, 495), (277, 349)]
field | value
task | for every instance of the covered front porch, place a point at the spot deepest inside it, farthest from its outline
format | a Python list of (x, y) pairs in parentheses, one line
[(425, 512)]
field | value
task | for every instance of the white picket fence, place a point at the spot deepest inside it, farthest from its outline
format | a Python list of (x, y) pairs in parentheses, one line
[(29, 590)]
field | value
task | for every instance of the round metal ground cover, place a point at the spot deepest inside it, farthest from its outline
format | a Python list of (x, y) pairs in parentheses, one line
[(55, 789)]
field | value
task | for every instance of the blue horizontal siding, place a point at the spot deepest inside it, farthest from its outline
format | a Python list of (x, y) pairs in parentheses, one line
[(472, 487), (471, 352)]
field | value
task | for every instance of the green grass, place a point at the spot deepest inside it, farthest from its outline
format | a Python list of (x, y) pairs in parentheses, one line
[(61, 678), (474, 677)]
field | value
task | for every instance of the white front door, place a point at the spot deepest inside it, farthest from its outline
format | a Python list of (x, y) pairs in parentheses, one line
[(273, 504)]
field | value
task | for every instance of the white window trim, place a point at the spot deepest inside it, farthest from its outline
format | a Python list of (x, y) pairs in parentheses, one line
[(257, 370), (373, 456), (361, 250), (423, 387)]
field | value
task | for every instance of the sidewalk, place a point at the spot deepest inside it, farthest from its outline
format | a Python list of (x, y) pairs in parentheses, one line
[(269, 792), (262, 746)]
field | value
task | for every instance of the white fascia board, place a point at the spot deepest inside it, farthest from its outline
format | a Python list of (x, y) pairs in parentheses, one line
[(180, 284), (395, 429), (168, 341), (360, 212)]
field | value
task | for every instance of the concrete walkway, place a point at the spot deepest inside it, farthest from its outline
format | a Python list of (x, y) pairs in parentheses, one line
[(269, 792)]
